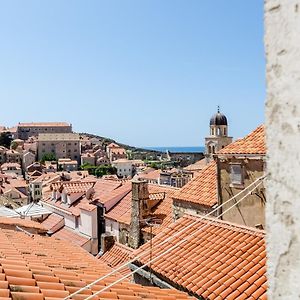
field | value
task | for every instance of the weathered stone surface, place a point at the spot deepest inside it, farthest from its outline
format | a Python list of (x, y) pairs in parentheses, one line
[(282, 44)]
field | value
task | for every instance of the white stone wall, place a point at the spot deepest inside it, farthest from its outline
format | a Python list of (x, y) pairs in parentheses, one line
[(282, 44)]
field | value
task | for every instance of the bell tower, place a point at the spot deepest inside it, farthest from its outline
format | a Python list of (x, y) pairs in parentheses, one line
[(218, 137)]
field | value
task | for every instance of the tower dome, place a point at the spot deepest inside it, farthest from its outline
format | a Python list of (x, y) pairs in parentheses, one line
[(218, 119)]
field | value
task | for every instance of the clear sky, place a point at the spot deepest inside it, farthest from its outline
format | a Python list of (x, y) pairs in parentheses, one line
[(144, 72)]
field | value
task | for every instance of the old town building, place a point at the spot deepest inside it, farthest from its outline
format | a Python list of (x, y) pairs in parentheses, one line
[(62, 145), (218, 137), (26, 130), (239, 165)]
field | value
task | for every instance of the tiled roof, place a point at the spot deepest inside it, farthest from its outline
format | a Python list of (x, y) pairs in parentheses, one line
[(197, 166), (43, 124), (218, 260), (36, 267), (202, 189), (253, 143), (24, 223), (150, 174), (47, 137), (52, 221), (113, 145), (121, 212), (73, 187), (116, 256), (71, 236)]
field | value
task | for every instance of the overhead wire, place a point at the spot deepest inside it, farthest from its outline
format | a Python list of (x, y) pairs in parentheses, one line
[(169, 238), (169, 249)]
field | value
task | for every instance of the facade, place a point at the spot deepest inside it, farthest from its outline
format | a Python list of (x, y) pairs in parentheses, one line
[(11, 168), (175, 178), (66, 164), (114, 152), (239, 165), (124, 167), (28, 159), (218, 138), (199, 196), (62, 145), (13, 156), (26, 130), (3, 154)]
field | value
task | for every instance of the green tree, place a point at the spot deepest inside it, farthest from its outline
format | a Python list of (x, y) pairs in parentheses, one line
[(48, 157), (13, 145), (5, 139)]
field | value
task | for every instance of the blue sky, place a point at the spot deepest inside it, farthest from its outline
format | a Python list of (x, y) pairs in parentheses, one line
[(144, 72)]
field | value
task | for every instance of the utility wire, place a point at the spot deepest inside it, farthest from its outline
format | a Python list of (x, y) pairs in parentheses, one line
[(168, 239), (170, 249)]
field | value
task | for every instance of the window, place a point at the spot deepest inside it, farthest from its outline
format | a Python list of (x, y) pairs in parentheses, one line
[(236, 174)]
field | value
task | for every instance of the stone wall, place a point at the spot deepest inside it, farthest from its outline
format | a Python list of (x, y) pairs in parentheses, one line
[(282, 44), (251, 210)]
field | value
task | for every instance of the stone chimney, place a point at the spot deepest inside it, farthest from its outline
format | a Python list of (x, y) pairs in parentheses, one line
[(140, 195), (107, 241)]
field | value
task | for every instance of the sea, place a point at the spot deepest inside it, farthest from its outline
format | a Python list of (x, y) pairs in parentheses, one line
[(177, 149)]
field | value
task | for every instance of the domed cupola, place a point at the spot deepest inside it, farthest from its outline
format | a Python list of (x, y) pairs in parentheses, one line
[(218, 137), (218, 119)]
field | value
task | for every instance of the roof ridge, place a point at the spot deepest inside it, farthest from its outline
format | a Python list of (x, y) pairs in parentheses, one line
[(228, 224)]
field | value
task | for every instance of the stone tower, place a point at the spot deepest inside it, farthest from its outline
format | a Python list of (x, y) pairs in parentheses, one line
[(218, 137)]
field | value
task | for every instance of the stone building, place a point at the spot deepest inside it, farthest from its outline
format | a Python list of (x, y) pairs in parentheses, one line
[(239, 165), (62, 145), (218, 137), (198, 196), (26, 130)]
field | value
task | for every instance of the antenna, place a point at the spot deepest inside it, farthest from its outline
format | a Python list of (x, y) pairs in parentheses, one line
[(218, 108)]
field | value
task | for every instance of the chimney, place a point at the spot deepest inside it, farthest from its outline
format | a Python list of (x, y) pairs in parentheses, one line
[(140, 195), (107, 241)]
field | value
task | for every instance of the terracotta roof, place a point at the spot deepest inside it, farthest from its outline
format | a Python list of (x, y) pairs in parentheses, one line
[(116, 256), (121, 212), (150, 175), (43, 124), (73, 187), (71, 236), (221, 261), (24, 223), (52, 221), (197, 166), (113, 145), (47, 137), (253, 143), (202, 189), (36, 267)]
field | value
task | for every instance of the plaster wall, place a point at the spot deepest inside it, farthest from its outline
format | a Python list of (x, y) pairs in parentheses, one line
[(251, 210)]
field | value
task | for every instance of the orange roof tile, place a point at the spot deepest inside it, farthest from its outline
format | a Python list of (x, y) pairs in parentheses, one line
[(43, 124), (121, 212), (218, 260), (202, 189), (253, 143), (24, 223), (72, 187), (39, 267), (67, 234), (52, 221), (116, 256)]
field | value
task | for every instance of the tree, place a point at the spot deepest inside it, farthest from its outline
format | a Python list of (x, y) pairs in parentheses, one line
[(14, 145), (48, 157), (5, 139)]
